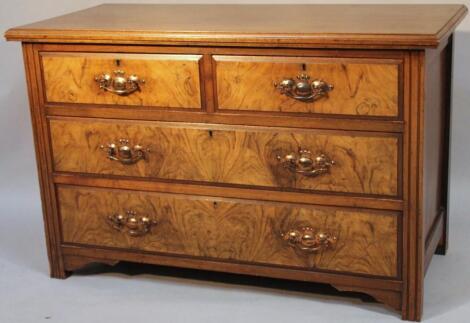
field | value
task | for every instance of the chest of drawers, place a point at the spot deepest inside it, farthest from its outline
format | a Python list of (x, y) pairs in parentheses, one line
[(299, 142)]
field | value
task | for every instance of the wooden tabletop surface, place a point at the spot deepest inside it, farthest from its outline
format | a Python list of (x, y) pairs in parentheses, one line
[(324, 25)]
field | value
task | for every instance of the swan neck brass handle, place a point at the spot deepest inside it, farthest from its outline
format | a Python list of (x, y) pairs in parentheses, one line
[(131, 223), (303, 89), (119, 84), (305, 164), (124, 153), (308, 240)]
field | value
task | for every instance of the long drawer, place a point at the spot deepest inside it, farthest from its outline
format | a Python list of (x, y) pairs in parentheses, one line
[(279, 158), (310, 238)]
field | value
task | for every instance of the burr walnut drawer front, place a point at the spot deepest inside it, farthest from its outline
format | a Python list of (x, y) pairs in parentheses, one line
[(344, 86), (154, 80), (281, 158), (352, 241)]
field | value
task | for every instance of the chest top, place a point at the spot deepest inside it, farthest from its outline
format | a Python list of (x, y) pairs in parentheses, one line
[(376, 26)]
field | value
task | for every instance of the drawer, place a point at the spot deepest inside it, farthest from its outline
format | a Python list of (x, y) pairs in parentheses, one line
[(360, 87), (166, 81), (338, 161), (362, 242)]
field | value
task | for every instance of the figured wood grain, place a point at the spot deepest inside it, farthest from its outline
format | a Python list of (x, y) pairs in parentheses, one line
[(365, 163), (379, 26), (235, 231), (232, 230), (361, 86), (171, 81)]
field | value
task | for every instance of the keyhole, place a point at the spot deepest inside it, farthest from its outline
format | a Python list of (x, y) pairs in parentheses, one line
[(118, 62), (304, 67), (210, 133)]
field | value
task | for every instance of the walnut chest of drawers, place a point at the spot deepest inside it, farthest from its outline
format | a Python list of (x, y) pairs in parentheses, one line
[(299, 142)]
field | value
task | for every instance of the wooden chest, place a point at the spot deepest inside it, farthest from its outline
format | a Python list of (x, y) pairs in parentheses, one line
[(305, 142)]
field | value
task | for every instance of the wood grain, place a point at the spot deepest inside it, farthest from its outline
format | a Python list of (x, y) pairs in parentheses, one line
[(240, 118), (413, 231), (236, 231), (365, 163), (171, 81), (378, 26), (292, 273), (361, 86), (211, 179), (436, 138), (389, 298), (44, 165), (73, 263), (201, 189)]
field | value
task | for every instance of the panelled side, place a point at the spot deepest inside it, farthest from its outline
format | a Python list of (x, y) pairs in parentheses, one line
[(436, 147)]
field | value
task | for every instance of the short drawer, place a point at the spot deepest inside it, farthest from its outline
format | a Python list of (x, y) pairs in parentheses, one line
[(343, 240), (341, 86), (280, 158), (153, 80)]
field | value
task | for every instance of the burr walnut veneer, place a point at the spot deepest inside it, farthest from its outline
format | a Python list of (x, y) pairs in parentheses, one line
[(304, 142)]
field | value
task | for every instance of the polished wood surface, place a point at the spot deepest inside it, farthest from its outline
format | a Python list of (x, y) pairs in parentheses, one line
[(171, 81), (287, 273), (210, 174), (209, 114), (391, 26), (201, 189), (390, 298), (413, 224), (436, 143), (361, 86), (44, 166), (364, 163), (234, 231), (434, 236)]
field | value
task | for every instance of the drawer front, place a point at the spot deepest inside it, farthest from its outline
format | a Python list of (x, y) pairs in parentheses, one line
[(275, 234), (362, 87), (254, 156), (167, 81)]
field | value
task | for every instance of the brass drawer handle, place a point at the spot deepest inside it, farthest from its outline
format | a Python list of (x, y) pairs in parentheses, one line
[(304, 163), (131, 223), (303, 89), (119, 84), (307, 240), (124, 153)]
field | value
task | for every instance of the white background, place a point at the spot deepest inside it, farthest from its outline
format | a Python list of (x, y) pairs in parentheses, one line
[(28, 295)]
